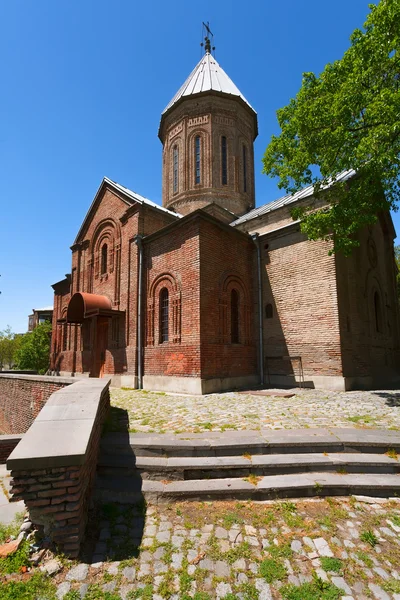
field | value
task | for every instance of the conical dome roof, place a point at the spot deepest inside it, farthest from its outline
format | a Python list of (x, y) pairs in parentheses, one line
[(207, 76)]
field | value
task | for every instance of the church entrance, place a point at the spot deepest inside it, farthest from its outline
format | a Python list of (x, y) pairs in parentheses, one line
[(99, 354)]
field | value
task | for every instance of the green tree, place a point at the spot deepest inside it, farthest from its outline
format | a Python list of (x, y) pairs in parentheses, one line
[(9, 343), (34, 351), (347, 118)]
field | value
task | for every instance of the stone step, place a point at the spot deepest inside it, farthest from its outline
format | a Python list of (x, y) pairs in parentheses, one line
[(265, 441), (133, 490), (185, 468)]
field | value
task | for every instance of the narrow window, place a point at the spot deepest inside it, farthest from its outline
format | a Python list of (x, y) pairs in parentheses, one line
[(234, 317), (244, 168), (378, 313), (104, 251), (197, 158), (164, 315), (175, 154), (269, 313), (224, 161)]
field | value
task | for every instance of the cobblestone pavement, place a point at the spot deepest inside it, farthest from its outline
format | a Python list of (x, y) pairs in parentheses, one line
[(305, 550), (160, 412)]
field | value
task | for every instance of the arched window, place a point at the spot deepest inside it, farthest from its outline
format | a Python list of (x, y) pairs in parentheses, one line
[(164, 315), (224, 161), (269, 312), (378, 313), (244, 168), (197, 151), (104, 252), (175, 160), (234, 317)]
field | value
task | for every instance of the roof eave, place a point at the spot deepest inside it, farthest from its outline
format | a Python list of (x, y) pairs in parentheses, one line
[(182, 99)]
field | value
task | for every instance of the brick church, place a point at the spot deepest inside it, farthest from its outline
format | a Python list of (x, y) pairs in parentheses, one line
[(209, 293)]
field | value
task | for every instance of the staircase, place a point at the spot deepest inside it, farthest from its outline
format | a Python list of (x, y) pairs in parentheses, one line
[(256, 465)]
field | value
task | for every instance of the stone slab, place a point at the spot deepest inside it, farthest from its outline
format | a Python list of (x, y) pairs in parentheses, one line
[(52, 444)]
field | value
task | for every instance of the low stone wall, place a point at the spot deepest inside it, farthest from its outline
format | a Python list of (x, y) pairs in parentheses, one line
[(54, 466), (22, 397), (7, 445)]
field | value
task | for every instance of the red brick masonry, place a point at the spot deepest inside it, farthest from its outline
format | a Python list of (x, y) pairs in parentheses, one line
[(22, 397), (7, 445), (54, 473)]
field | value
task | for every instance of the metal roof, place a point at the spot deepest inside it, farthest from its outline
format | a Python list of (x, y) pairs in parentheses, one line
[(288, 199), (206, 76), (127, 192), (138, 198), (42, 309)]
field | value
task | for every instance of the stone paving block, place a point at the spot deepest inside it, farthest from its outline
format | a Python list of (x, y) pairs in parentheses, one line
[(176, 562), (341, 584), (163, 536), (78, 573), (125, 590), (222, 569), (378, 592), (221, 533), (264, 589), (223, 589), (323, 547), (129, 573), (63, 589)]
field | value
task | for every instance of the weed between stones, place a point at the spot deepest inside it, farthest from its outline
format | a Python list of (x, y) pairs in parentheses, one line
[(272, 569), (369, 537)]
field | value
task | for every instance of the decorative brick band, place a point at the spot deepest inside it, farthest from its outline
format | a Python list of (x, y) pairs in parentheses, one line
[(54, 466)]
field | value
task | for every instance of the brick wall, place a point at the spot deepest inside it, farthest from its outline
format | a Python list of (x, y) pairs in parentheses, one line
[(172, 261), (368, 350), (299, 281), (7, 445), (228, 262), (54, 480), (22, 397)]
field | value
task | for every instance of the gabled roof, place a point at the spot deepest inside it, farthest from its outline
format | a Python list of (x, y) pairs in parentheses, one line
[(130, 198), (207, 76), (288, 199)]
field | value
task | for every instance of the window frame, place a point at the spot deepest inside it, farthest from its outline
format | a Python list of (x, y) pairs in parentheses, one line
[(163, 312), (104, 259), (175, 169), (197, 160), (224, 160), (235, 316), (244, 158)]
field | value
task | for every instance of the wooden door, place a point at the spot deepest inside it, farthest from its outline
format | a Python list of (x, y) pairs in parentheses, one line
[(100, 350)]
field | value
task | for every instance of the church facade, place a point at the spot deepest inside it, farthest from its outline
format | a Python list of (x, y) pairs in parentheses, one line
[(209, 293)]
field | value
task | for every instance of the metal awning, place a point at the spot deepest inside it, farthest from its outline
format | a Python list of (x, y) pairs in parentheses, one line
[(83, 305)]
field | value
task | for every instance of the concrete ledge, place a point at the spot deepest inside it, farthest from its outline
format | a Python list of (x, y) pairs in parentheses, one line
[(267, 488), (129, 381), (197, 385), (43, 378), (335, 383)]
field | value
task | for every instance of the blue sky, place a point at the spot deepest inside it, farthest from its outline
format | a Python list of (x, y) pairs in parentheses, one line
[(83, 86)]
